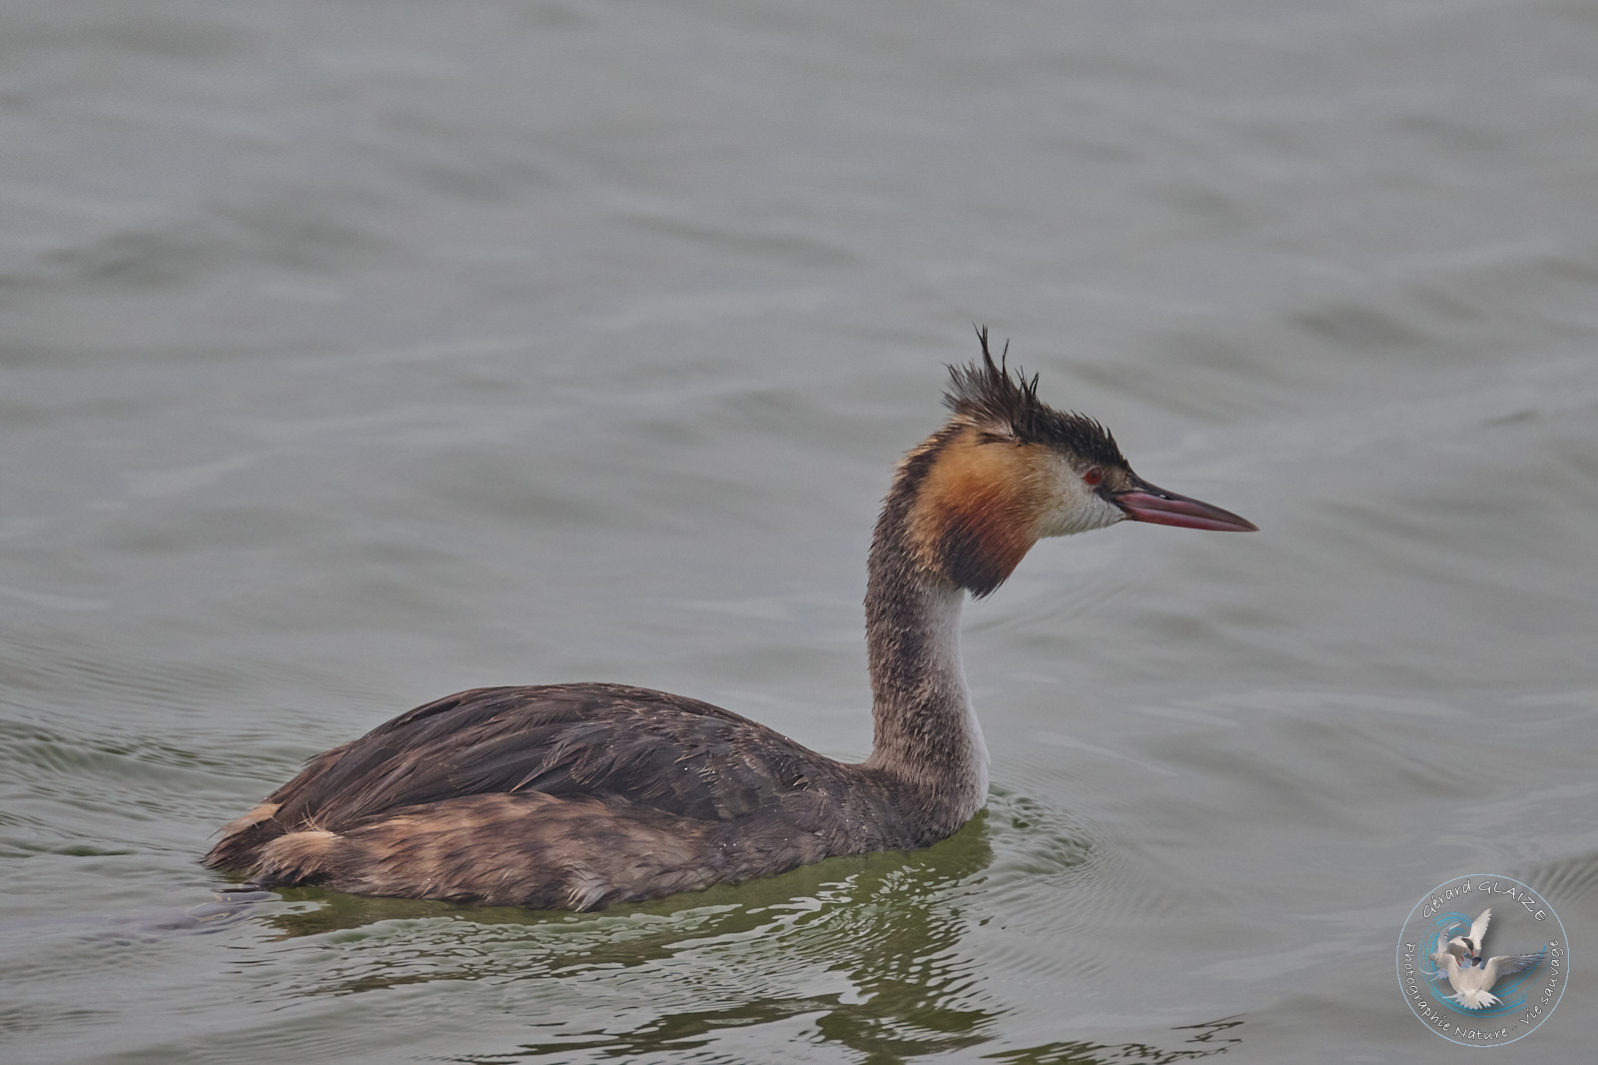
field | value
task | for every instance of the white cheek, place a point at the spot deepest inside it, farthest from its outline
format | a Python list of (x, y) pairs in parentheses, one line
[(1077, 508), (1105, 512), (1089, 512)]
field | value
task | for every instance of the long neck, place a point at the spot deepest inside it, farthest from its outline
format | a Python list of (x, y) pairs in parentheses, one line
[(926, 736)]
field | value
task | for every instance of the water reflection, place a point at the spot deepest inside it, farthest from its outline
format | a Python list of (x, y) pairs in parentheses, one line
[(1207, 1040), (865, 948), (868, 953)]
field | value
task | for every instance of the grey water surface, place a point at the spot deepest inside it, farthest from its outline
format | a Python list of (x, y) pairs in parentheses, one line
[(352, 354)]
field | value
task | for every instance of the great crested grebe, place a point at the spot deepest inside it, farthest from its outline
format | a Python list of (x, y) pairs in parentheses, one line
[(575, 796)]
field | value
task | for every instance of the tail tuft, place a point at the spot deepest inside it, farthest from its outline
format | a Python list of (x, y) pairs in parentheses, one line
[(1476, 999), (309, 856), (243, 838)]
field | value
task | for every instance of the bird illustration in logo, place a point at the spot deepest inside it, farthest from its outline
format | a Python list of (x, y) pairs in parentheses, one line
[(1460, 960)]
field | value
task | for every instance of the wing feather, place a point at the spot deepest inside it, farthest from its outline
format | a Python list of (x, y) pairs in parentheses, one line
[(1508, 964), (677, 755)]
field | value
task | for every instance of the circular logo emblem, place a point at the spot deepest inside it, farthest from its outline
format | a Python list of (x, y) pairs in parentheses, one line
[(1482, 960)]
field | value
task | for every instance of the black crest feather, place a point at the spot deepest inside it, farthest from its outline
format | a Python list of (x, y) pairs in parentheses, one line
[(988, 394)]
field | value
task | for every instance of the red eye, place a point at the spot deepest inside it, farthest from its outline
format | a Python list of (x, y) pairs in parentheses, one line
[(1093, 476)]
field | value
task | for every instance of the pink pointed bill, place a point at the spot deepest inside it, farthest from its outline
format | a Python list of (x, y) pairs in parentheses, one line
[(1159, 507)]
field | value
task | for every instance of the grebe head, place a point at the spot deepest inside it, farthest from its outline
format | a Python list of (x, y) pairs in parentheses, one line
[(1008, 470)]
